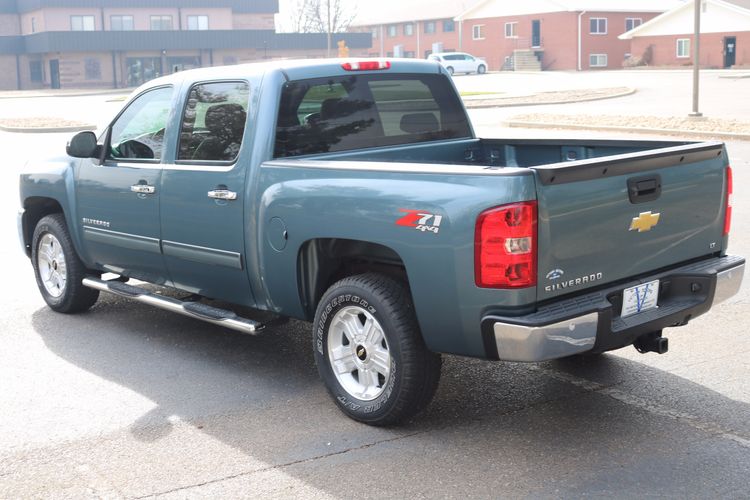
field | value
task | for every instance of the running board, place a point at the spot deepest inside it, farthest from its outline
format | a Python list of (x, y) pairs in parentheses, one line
[(197, 310)]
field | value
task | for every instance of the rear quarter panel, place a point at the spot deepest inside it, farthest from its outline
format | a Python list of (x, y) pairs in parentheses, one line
[(362, 201)]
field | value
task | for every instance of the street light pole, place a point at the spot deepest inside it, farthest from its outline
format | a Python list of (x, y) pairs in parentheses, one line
[(328, 28), (696, 58)]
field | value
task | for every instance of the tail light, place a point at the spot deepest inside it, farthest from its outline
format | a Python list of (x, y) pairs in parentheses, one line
[(505, 246), (366, 65), (728, 212)]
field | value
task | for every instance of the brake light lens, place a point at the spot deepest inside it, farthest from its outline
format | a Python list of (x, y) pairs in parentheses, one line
[(366, 65), (505, 250), (728, 212)]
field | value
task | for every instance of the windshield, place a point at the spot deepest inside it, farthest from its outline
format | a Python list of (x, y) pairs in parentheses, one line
[(360, 111)]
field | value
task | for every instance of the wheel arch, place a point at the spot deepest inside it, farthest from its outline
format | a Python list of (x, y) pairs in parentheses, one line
[(323, 261), (35, 208)]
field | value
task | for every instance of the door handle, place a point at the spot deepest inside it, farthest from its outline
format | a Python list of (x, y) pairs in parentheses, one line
[(222, 194), (143, 189)]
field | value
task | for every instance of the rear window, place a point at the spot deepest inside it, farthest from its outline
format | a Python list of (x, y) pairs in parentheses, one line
[(360, 111)]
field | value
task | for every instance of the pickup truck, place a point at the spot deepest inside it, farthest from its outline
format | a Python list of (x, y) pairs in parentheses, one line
[(354, 194)]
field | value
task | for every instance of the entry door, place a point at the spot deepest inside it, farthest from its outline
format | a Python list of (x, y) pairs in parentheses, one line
[(536, 33), (118, 201), (730, 51), (54, 73), (203, 199)]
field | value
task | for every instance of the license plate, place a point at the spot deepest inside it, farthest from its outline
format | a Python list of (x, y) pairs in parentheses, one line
[(640, 298)]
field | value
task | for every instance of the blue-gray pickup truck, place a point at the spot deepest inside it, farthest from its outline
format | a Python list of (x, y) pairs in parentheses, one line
[(355, 194)]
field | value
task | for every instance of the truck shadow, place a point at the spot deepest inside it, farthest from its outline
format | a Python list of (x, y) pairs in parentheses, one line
[(261, 396)]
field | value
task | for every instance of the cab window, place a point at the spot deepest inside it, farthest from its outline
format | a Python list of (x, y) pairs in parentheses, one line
[(138, 133), (213, 122)]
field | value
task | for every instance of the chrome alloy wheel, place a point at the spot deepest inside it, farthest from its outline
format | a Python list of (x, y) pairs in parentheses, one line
[(52, 267), (359, 353)]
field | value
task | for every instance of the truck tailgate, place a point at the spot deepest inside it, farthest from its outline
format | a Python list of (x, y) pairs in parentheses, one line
[(607, 219)]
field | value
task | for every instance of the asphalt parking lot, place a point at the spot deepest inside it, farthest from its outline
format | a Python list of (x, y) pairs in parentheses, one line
[(126, 401)]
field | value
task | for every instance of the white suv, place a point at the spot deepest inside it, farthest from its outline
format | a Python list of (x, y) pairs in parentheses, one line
[(459, 62)]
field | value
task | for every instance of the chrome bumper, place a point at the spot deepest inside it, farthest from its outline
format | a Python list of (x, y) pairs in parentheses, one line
[(19, 223), (533, 343)]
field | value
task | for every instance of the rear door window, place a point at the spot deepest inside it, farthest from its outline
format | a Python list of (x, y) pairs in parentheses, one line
[(361, 111), (213, 122)]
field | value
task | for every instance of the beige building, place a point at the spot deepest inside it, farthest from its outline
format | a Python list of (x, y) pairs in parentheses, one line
[(123, 43)]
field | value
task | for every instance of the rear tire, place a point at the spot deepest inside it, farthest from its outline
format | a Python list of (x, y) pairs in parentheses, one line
[(57, 268), (370, 353)]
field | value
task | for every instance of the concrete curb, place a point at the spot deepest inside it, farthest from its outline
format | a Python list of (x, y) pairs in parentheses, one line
[(47, 130), (76, 93), (498, 103), (632, 130)]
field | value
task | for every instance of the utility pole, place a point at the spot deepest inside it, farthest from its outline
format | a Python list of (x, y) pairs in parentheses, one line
[(328, 28), (696, 58)]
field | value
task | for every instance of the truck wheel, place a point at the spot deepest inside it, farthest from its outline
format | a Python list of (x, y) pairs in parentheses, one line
[(370, 353), (58, 269)]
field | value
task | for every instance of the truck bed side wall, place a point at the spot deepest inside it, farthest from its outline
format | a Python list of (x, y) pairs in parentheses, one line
[(310, 202)]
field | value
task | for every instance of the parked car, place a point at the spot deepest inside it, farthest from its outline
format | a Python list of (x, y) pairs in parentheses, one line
[(355, 195), (460, 62)]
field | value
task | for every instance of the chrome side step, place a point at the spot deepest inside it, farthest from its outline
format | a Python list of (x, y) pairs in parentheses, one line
[(197, 310)]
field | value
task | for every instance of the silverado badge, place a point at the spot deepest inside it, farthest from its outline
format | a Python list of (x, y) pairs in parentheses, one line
[(644, 222)]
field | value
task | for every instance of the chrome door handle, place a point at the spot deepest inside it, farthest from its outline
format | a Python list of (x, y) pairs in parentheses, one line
[(222, 194), (143, 189)]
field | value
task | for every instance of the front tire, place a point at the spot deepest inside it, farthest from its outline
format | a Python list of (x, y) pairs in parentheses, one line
[(450, 70), (370, 353), (57, 268), (482, 69)]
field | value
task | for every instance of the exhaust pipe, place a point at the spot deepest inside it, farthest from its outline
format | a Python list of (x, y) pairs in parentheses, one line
[(652, 342)]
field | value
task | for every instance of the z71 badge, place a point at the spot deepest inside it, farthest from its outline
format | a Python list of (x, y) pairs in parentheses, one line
[(420, 220)]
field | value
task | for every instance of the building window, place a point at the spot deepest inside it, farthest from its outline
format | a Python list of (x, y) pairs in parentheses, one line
[(392, 30), (161, 23), (82, 23), (121, 23), (35, 71), (598, 60), (408, 29), (429, 27), (449, 26), (93, 69), (477, 32), (632, 22), (410, 54), (374, 32), (33, 25), (510, 30), (598, 25), (197, 23), (683, 47), (704, 6)]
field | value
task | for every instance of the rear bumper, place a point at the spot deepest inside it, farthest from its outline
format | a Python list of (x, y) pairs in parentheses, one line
[(591, 322)]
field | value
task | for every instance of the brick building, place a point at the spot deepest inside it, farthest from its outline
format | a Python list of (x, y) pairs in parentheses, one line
[(555, 34), (122, 43), (415, 29), (667, 40)]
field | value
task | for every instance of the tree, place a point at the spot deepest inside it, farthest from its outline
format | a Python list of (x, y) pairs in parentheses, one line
[(312, 16)]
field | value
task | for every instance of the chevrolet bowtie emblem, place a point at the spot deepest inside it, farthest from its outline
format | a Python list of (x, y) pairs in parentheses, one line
[(644, 222)]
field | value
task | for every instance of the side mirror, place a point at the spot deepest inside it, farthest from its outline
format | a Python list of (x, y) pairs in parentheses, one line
[(82, 145)]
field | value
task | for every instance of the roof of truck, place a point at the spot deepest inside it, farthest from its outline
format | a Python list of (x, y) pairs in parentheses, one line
[(294, 69)]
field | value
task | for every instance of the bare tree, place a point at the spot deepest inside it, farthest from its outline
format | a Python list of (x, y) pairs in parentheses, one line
[(321, 16)]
